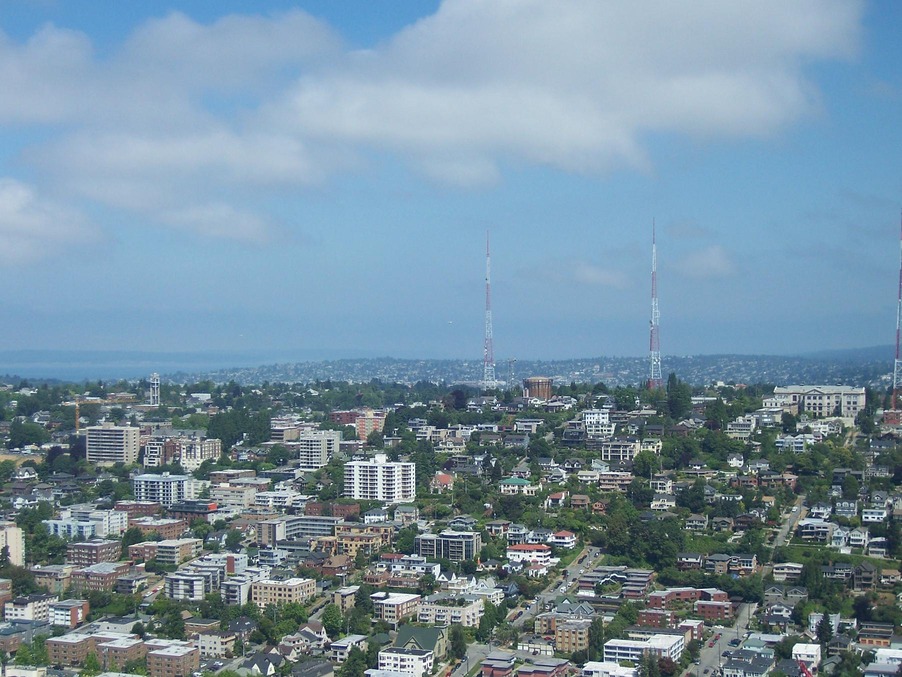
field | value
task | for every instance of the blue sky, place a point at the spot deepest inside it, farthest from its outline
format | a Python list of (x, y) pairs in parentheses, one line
[(320, 177)]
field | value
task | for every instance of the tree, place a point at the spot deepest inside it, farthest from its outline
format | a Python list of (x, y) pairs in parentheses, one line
[(679, 397), (139, 630), (850, 487), (824, 630), (362, 599), (23, 433), (332, 620), (458, 641), (354, 665), (405, 540), (233, 540), (648, 666), (92, 665), (645, 463)]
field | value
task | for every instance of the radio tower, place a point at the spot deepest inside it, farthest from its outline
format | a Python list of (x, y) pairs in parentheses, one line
[(655, 380), (488, 352), (895, 416)]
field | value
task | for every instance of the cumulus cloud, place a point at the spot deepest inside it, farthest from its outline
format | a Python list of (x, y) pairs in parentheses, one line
[(710, 262), (183, 118), (30, 226)]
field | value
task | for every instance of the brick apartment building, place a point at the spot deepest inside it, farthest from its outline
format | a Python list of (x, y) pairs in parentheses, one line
[(95, 551), (100, 577)]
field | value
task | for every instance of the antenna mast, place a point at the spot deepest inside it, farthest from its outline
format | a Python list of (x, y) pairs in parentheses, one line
[(897, 364), (655, 379), (488, 352)]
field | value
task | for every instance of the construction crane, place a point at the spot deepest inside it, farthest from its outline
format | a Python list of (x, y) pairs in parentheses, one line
[(77, 404), (803, 668)]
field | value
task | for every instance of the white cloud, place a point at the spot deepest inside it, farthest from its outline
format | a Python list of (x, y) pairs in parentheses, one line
[(710, 262), (183, 120), (31, 226), (586, 273)]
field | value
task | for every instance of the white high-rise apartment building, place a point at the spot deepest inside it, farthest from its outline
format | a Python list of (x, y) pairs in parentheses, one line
[(380, 480), (11, 537), (598, 423), (317, 447), (165, 489), (108, 444)]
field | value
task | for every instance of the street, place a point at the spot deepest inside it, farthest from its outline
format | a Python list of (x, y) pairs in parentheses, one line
[(710, 658), (552, 592)]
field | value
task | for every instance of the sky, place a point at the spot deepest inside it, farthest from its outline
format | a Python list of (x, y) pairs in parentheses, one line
[(297, 178)]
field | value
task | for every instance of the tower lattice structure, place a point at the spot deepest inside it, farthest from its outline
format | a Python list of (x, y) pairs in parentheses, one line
[(488, 351), (655, 379), (897, 364)]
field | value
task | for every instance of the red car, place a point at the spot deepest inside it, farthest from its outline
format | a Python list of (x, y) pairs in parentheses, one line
[(710, 644)]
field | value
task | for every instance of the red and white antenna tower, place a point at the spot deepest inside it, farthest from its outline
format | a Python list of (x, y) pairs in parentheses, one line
[(655, 379), (897, 365), (488, 352)]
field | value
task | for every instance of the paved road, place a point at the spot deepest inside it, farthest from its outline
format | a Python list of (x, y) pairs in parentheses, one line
[(710, 658), (790, 523), (475, 654), (554, 591)]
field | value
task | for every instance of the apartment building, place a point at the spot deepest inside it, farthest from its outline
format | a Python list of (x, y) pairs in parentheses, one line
[(166, 527), (293, 527), (268, 591), (456, 546), (662, 646), (620, 449), (54, 578), (100, 577), (71, 649), (345, 598), (451, 611), (393, 607), (94, 551), (379, 479), (11, 537), (135, 509), (315, 448), (194, 451), (165, 489), (215, 644), (175, 660), (340, 648), (572, 635), (183, 586), (414, 662), (108, 444), (538, 553), (228, 496), (69, 613), (29, 608), (173, 551)]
